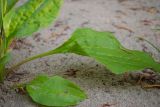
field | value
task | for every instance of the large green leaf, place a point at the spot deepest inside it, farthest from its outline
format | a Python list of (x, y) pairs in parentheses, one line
[(54, 91), (106, 49), (30, 17)]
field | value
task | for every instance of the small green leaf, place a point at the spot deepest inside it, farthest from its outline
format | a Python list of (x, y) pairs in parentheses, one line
[(54, 91), (30, 17), (106, 49)]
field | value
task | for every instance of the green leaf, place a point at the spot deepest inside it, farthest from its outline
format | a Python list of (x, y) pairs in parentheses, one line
[(30, 17), (106, 49), (54, 91)]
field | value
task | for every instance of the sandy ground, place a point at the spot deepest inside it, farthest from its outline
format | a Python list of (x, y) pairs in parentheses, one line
[(126, 18)]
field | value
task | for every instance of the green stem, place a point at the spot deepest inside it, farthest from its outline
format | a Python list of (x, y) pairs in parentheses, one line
[(33, 58), (2, 72)]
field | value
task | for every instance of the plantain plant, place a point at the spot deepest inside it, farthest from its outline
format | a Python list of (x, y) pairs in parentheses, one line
[(22, 21)]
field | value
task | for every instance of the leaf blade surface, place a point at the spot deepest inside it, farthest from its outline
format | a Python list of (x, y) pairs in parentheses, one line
[(30, 17), (106, 49), (54, 91)]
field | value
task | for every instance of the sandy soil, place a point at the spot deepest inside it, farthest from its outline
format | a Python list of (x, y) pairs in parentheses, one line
[(126, 18)]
